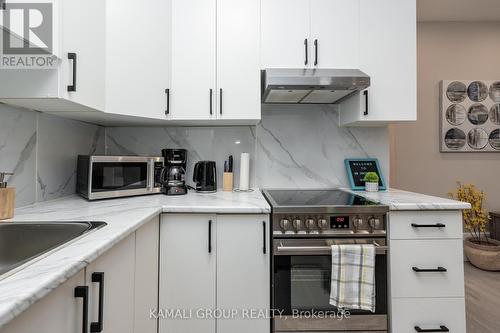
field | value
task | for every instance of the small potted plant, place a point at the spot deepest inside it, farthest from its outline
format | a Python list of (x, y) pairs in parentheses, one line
[(371, 182), (482, 252)]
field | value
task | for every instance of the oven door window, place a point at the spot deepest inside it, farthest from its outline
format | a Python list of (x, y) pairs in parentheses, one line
[(302, 283), (117, 176)]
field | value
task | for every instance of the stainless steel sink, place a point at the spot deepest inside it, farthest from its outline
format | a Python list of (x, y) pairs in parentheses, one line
[(21, 242)]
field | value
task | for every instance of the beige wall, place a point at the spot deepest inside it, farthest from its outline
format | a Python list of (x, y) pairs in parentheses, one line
[(446, 51)]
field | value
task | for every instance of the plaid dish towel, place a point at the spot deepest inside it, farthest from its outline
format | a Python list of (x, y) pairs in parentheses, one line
[(353, 277)]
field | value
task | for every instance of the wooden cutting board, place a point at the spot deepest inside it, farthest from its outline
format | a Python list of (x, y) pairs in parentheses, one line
[(7, 202)]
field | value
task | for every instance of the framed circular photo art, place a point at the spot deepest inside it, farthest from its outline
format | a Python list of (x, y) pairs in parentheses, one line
[(469, 116)]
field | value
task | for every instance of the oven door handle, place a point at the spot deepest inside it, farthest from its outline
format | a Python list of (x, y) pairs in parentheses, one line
[(319, 249)]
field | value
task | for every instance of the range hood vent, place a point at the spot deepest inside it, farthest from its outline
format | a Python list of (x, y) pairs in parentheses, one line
[(311, 86)]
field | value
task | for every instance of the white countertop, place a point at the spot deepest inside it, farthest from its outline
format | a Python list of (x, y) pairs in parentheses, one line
[(403, 200), (123, 216)]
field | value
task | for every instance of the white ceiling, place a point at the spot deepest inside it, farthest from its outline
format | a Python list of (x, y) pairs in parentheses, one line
[(458, 10)]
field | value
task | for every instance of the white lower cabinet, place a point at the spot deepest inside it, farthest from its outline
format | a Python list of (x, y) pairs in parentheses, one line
[(58, 312), (426, 271), (206, 263), (428, 313), (427, 268), (187, 272), (243, 271), (127, 276)]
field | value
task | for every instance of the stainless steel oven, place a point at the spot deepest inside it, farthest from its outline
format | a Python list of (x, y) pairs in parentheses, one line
[(305, 225), (100, 177), (301, 280)]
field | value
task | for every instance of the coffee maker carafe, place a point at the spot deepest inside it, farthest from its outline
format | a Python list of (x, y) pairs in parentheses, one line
[(174, 173)]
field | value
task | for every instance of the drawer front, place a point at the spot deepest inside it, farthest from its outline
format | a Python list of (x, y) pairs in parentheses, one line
[(405, 255), (425, 225), (428, 313)]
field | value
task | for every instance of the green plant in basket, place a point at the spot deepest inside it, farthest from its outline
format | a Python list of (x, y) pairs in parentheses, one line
[(371, 177)]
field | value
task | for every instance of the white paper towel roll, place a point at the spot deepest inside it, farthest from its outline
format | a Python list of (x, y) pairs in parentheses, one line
[(244, 171)]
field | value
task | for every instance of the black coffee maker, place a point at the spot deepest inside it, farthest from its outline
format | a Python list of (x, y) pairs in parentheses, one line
[(173, 177)]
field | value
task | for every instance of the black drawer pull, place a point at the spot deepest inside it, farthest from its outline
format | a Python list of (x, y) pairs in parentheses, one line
[(437, 225), (167, 92), (315, 52), (72, 56), (210, 236), (441, 328), (83, 292), (264, 247), (306, 47), (98, 277), (429, 270), (211, 93)]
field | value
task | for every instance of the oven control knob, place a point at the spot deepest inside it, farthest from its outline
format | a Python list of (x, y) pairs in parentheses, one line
[(309, 224), (297, 223), (284, 224), (357, 222), (322, 224), (374, 223)]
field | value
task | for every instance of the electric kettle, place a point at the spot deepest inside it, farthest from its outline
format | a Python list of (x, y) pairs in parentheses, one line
[(205, 177)]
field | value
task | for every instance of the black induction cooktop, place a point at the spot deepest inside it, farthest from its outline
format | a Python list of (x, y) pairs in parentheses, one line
[(306, 198)]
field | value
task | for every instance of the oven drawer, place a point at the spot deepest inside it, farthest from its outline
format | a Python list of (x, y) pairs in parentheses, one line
[(425, 224), (427, 268), (428, 313), (358, 324)]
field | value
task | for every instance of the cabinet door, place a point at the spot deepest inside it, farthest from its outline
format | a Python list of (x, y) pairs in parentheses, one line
[(58, 312), (193, 85), (88, 42), (146, 276), (238, 64), (243, 258), (137, 57), (187, 271), (118, 266), (335, 33), (285, 28)]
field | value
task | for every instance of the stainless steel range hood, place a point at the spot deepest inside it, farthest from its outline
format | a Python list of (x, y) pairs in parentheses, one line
[(311, 86)]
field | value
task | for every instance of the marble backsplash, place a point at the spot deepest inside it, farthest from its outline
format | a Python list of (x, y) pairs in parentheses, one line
[(41, 150), (292, 147)]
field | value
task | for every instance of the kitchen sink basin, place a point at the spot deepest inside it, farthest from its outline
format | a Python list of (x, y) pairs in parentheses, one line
[(22, 242)]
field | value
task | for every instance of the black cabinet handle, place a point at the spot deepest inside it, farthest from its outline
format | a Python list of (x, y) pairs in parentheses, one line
[(167, 92), (366, 102), (3, 4), (72, 56), (83, 292), (315, 52), (429, 270), (211, 93), (437, 225), (220, 101), (210, 236), (98, 277), (441, 328), (305, 47), (264, 246)]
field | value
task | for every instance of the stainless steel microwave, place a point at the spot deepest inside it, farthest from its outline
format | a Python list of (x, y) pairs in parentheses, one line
[(101, 177)]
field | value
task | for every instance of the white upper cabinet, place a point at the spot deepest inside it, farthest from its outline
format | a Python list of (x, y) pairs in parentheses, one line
[(238, 65), (388, 55), (215, 60), (335, 33), (110, 60), (310, 34), (285, 34), (138, 49), (193, 77)]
